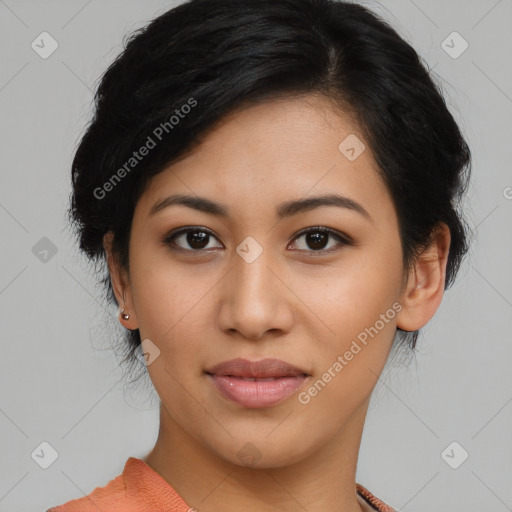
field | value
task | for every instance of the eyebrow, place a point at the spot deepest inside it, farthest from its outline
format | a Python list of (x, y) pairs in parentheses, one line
[(286, 209)]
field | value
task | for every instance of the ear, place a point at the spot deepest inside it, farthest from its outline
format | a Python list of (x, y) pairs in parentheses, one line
[(120, 283), (424, 290)]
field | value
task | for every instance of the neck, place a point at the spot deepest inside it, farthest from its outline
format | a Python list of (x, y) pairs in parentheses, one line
[(323, 481)]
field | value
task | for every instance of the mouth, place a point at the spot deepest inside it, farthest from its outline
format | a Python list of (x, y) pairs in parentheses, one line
[(256, 384)]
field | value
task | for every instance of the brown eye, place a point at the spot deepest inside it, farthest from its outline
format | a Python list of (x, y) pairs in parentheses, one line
[(316, 239), (195, 238)]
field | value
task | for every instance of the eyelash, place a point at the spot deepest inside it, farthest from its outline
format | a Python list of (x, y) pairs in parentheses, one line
[(342, 239)]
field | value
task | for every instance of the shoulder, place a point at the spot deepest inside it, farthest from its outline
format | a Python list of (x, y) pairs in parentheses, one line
[(139, 487)]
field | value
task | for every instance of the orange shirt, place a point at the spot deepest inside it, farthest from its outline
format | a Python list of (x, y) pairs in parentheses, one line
[(140, 488)]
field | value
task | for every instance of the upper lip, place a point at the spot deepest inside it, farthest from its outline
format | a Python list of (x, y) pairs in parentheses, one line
[(268, 367)]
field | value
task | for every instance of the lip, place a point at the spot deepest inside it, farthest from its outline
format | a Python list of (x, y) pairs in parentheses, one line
[(268, 367), (272, 381)]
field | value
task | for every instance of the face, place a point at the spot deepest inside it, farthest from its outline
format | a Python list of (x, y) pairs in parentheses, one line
[(315, 287)]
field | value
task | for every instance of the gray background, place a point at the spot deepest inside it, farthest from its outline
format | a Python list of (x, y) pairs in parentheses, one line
[(60, 383)]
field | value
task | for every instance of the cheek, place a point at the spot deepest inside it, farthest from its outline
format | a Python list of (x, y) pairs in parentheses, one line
[(356, 303), (171, 302), (353, 296), (349, 356)]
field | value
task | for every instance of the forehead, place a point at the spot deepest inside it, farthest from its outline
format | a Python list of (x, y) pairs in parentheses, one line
[(273, 151)]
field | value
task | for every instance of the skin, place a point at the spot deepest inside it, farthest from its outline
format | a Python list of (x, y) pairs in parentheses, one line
[(204, 307)]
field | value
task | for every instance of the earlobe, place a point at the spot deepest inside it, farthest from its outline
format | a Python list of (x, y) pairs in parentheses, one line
[(120, 285), (426, 282)]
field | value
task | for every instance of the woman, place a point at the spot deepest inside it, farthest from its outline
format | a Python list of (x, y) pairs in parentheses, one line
[(274, 185)]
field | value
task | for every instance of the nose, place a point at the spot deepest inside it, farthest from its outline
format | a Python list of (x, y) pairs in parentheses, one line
[(255, 299)]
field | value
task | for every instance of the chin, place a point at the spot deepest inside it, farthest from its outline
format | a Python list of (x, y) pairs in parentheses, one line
[(260, 452)]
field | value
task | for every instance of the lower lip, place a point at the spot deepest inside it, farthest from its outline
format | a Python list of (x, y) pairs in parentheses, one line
[(257, 394)]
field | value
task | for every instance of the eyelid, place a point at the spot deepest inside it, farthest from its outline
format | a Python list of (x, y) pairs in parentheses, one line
[(329, 231)]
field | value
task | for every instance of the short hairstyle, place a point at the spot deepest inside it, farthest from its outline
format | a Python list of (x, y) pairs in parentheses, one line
[(192, 65)]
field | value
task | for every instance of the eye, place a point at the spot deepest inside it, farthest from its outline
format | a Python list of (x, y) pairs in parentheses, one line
[(198, 239), (317, 238)]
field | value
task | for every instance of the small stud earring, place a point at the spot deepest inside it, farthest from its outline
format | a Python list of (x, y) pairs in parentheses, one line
[(124, 315)]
